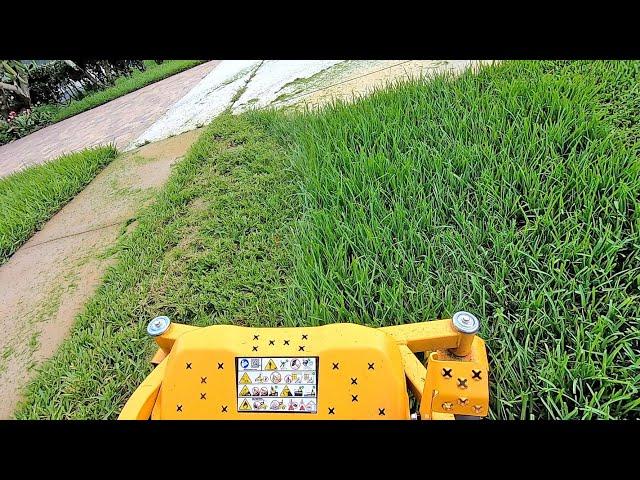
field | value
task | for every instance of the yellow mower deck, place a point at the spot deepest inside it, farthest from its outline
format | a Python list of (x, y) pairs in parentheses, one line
[(337, 371)]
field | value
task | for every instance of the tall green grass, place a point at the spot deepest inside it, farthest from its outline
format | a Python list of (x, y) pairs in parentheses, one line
[(31, 196), (512, 193)]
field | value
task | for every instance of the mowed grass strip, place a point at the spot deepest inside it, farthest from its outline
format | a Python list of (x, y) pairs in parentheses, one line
[(513, 194), (211, 249), (30, 197)]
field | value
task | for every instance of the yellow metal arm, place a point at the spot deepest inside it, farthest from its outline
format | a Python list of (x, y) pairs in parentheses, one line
[(456, 378), (431, 336)]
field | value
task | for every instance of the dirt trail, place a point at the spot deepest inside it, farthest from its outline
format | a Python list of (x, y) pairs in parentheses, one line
[(46, 283)]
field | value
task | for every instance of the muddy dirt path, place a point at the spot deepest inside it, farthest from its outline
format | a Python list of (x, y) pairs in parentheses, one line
[(46, 283)]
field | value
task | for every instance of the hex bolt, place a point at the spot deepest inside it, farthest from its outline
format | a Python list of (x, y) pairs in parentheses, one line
[(466, 322), (158, 326), (467, 325)]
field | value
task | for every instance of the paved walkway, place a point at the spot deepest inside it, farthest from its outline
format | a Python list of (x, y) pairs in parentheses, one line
[(47, 282), (120, 121)]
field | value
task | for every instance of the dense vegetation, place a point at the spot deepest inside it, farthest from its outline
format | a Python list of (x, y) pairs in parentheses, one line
[(513, 193)]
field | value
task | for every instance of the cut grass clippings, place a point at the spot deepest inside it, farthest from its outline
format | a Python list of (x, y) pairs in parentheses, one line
[(30, 197), (512, 193)]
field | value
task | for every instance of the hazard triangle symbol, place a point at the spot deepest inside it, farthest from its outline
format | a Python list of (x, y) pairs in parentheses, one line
[(285, 391), (245, 391), (271, 365), (245, 378), (245, 405)]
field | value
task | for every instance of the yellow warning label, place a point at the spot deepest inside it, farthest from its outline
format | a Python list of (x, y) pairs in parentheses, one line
[(285, 391), (271, 365), (245, 391), (245, 378), (245, 405)]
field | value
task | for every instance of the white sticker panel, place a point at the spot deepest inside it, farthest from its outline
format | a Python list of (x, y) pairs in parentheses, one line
[(277, 384)]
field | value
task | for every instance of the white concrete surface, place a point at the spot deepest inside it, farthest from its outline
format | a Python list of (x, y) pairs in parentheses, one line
[(239, 85)]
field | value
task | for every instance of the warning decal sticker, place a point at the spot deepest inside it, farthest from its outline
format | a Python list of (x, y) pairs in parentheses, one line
[(277, 384)]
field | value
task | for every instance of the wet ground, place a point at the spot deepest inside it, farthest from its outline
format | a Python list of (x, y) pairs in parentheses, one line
[(46, 283)]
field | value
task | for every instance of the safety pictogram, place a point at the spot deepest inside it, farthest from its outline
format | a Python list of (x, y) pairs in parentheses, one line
[(271, 365), (277, 384), (285, 391)]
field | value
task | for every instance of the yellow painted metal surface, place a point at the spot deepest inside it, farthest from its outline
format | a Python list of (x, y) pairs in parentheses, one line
[(337, 371), (414, 370), (457, 386), (360, 373), (425, 336), (141, 403)]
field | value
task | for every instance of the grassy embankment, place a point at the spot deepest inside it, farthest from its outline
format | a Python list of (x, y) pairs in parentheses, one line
[(512, 193), (30, 197)]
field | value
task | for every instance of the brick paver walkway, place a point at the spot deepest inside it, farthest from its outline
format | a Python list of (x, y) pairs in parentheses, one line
[(120, 121)]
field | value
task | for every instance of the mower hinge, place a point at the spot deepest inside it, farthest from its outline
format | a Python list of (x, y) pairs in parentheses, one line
[(457, 385)]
